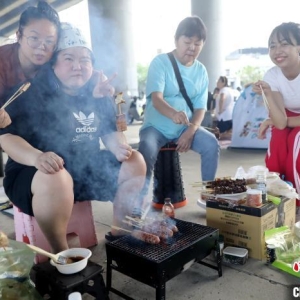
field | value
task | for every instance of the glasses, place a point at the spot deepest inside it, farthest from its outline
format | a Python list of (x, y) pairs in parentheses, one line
[(34, 42)]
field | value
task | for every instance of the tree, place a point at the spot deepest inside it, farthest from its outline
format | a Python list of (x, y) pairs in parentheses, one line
[(249, 74), (142, 72)]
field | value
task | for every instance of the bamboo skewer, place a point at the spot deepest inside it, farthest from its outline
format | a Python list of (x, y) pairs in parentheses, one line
[(24, 87), (208, 128), (120, 228), (131, 224), (135, 222), (119, 108), (264, 98), (133, 219)]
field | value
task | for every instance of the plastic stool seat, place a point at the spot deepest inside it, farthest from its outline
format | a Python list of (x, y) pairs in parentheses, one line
[(81, 225), (48, 281), (167, 178)]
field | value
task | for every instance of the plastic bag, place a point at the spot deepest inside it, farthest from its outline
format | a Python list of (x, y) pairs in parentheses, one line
[(275, 185), (287, 249), (278, 187), (16, 261)]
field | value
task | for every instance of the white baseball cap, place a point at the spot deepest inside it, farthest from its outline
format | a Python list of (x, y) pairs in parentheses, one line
[(71, 36)]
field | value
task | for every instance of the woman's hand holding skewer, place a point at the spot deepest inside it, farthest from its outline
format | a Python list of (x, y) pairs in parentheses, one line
[(261, 86), (4, 118), (49, 163), (180, 117)]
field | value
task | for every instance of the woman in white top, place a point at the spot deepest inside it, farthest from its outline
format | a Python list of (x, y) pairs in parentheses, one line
[(224, 108), (281, 86)]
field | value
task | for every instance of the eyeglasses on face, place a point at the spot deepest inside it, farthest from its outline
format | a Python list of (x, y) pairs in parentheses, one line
[(34, 42)]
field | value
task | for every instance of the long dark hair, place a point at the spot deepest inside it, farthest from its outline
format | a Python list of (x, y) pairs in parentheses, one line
[(42, 11), (286, 31)]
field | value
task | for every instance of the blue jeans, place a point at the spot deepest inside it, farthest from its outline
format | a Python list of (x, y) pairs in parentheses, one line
[(204, 143)]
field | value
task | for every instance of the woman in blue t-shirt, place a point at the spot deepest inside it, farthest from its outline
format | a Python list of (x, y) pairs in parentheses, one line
[(168, 117)]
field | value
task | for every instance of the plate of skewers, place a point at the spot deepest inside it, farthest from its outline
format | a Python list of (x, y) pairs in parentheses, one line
[(225, 188)]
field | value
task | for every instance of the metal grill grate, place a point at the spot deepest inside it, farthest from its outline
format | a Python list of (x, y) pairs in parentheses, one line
[(188, 234)]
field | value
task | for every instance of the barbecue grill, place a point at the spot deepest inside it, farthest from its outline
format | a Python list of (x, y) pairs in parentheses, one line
[(154, 265)]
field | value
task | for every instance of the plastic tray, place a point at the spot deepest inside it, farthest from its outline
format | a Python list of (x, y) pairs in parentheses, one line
[(235, 255)]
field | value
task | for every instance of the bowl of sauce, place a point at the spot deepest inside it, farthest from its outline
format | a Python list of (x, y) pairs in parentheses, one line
[(77, 259)]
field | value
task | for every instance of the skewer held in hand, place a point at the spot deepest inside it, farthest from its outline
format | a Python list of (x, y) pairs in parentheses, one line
[(24, 87), (264, 98)]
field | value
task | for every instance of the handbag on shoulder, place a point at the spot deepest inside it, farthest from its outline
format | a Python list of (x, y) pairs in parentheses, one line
[(180, 82)]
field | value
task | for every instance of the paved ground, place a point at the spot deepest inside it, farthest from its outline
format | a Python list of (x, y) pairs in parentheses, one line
[(254, 280)]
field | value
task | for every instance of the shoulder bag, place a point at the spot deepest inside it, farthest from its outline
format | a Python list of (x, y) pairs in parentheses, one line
[(180, 82)]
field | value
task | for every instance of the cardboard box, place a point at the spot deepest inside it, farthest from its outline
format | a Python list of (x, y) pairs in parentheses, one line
[(244, 226)]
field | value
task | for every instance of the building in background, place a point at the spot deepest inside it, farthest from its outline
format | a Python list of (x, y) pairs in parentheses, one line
[(246, 65)]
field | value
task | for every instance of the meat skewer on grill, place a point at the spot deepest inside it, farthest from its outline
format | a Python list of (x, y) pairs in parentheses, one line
[(145, 237), (162, 228), (141, 235)]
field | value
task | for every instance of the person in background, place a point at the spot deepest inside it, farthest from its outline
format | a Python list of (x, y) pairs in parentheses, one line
[(211, 102), (210, 110), (36, 41), (215, 94), (53, 145), (281, 86), (168, 117), (224, 108)]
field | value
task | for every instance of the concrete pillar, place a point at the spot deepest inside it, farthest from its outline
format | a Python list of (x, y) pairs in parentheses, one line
[(211, 56), (112, 41)]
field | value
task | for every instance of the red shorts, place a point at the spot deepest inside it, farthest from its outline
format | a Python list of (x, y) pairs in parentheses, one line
[(283, 153)]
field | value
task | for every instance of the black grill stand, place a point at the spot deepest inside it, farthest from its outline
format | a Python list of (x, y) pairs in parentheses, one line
[(153, 273), (48, 281), (167, 178)]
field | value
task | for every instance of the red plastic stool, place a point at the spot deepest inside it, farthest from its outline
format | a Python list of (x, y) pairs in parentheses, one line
[(81, 225), (167, 178)]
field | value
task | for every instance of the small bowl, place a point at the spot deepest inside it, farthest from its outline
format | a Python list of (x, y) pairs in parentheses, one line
[(76, 266)]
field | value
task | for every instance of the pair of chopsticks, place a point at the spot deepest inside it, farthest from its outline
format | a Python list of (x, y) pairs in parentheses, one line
[(266, 103), (24, 87)]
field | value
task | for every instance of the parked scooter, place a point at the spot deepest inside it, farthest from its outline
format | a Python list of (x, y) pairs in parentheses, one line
[(135, 112)]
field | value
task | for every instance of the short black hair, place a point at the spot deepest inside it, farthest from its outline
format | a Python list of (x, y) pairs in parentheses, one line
[(286, 31), (42, 11), (191, 26)]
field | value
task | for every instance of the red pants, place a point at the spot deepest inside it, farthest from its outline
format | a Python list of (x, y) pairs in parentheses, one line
[(283, 154)]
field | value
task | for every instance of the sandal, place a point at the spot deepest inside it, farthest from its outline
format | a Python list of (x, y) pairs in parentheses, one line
[(110, 238)]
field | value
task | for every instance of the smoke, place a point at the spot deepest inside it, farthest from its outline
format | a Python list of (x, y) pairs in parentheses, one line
[(112, 41)]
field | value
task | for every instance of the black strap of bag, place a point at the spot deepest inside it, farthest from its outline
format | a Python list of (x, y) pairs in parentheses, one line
[(180, 82)]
